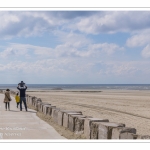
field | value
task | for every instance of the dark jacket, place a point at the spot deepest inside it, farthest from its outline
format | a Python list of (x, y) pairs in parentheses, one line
[(22, 91)]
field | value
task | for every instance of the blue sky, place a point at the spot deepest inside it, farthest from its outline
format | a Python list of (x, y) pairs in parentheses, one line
[(75, 47)]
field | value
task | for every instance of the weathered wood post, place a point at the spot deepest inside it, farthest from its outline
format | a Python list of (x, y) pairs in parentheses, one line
[(103, 130), (87, 125)]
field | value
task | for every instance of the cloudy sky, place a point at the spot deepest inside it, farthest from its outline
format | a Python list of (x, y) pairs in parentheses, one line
[(75, 47)]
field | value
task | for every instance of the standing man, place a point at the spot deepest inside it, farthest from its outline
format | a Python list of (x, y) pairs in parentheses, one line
[(22, 88)]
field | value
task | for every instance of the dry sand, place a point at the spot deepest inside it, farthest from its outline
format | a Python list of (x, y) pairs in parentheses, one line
[(129, 107)]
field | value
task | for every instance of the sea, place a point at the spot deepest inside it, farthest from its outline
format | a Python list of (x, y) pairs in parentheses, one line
[(96, 87)]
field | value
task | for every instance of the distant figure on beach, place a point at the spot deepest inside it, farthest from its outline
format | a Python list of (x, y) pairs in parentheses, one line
[(7, 99), (17, 99), (22, 88)]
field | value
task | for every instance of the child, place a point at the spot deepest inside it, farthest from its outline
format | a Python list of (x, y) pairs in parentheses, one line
[(17, 99)]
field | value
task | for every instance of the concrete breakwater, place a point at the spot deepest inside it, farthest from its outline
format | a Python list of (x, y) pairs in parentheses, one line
[(76, 122)]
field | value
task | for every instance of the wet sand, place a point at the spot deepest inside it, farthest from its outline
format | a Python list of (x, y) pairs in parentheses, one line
[(131, 107)]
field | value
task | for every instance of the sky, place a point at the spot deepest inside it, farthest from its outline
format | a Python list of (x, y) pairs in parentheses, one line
[(75, 47)]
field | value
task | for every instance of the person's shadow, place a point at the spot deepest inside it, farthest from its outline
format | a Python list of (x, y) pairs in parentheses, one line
[(19, 111), (14, 110)]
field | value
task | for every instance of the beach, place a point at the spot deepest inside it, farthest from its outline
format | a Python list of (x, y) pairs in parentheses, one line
[(131, 107)]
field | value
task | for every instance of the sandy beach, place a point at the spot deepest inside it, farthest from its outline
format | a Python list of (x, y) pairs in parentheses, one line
[(131, 107)]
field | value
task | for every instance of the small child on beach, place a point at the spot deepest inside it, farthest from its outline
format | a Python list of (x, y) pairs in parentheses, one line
[(17, 99)]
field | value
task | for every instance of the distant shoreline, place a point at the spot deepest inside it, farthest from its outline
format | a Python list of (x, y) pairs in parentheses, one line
[(77, 90), (63, 91), (79, 87)]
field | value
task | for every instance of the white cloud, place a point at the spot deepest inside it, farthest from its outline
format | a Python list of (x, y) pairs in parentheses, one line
[(108, 48), (8, 19), (65, 67), (72, 45), (31, 23), (146, 51), (27, 23), (92, 69), (17, 50), (112, 22), (139, 39), (14, 50), (125, 70)]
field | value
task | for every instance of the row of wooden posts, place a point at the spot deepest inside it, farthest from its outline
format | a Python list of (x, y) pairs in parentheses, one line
[(75, 121)]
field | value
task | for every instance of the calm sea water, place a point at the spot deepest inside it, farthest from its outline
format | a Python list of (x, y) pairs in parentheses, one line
[(80, 86)]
